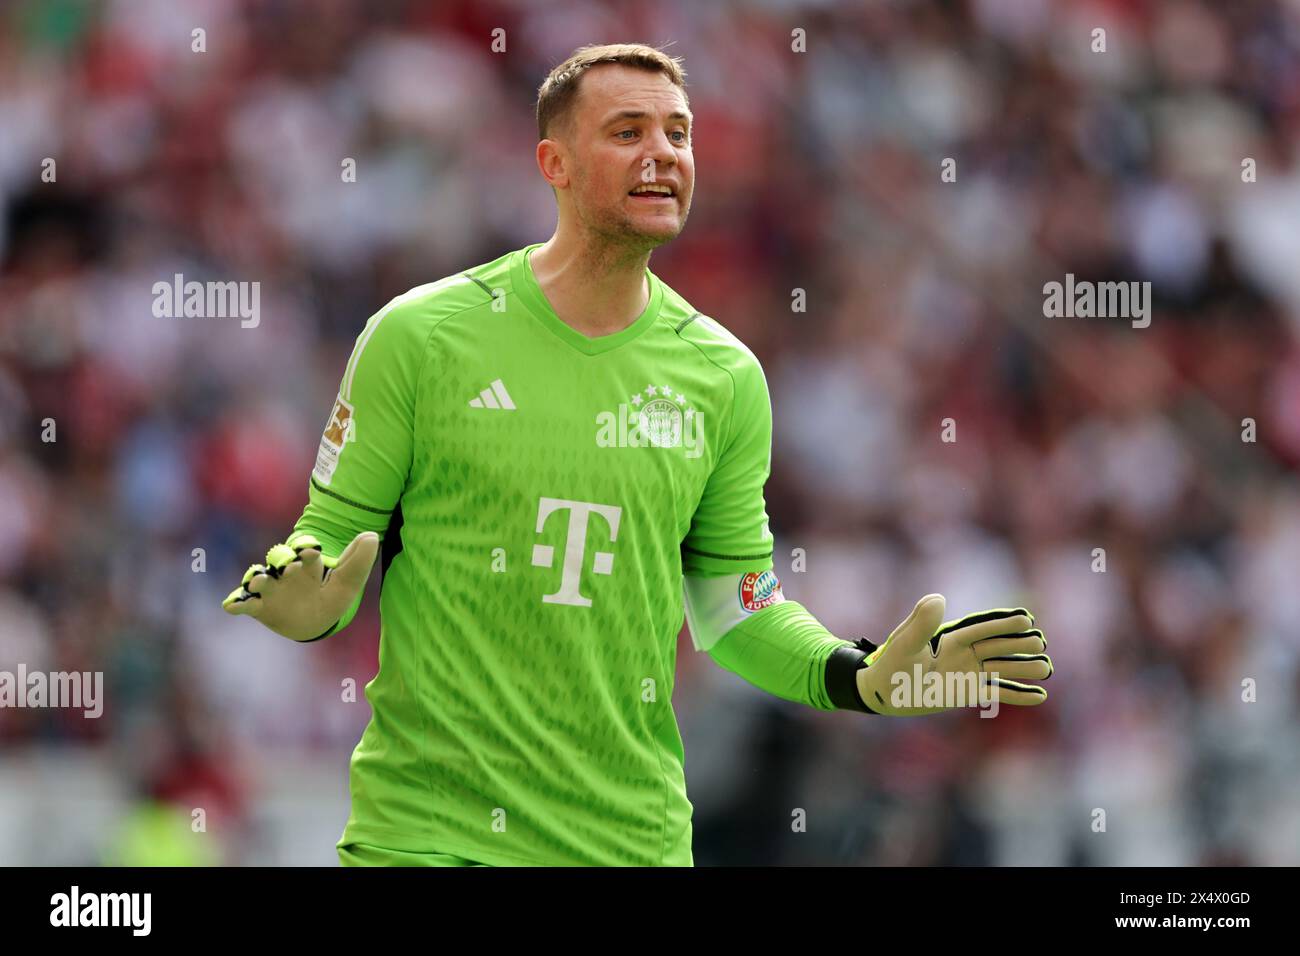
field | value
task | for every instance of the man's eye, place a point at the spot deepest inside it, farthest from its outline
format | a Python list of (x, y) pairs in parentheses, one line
[(633, 132), (682, 134)]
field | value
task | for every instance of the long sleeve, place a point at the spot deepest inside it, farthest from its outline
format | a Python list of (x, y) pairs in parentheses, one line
[(733, 599), (785, 651), (365, 452)]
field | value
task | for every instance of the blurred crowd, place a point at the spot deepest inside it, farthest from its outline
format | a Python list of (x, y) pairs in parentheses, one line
[(1135, 487)]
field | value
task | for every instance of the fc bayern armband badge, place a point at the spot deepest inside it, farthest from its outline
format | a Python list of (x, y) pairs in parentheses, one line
[(759, 589)]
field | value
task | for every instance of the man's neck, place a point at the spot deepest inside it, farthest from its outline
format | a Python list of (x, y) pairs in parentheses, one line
[(597, 291)]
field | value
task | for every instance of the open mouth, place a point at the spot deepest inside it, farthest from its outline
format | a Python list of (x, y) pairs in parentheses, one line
[(653, 194)]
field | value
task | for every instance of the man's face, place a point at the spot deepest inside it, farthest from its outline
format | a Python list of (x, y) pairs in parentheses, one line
[(631, 128)]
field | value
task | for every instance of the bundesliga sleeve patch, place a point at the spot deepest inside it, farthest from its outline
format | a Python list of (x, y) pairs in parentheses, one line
[(337, 432), (759, 589)]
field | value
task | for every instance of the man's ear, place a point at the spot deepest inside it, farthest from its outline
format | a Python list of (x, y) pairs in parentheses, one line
[(551, 162)]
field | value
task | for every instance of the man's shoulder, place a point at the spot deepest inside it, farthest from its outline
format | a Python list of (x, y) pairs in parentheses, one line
[(718, 344), (442, 298)]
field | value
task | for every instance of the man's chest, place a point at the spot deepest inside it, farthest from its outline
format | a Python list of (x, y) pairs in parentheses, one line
[(535, 420)]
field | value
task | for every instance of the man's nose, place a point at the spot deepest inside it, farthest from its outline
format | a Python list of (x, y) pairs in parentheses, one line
[(660, 148)]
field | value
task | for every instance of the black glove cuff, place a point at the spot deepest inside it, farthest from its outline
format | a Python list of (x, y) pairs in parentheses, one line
[(842, 676)]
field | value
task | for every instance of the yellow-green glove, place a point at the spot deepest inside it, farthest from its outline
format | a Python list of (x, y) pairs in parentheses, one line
[(301, 593), (962, 654)]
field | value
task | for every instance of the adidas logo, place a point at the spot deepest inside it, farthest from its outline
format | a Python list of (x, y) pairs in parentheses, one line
[(494, 396)]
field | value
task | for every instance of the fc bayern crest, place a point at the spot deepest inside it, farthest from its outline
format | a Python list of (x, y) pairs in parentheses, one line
[(661, 423), (657, 416), (759, 589)]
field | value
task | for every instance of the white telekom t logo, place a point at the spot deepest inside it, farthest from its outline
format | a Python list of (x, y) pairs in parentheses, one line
[(575, 547)]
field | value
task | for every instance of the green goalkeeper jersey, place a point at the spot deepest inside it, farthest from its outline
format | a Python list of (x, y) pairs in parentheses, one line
[(540, 495)]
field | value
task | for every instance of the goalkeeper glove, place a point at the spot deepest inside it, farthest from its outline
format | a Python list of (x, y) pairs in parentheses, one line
[(301, 593), (1001, 641)]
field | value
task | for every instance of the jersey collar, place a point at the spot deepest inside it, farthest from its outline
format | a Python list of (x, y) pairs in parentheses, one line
[(535, 301)]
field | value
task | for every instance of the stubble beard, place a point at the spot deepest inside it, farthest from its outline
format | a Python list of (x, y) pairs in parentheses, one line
[(615, 235)]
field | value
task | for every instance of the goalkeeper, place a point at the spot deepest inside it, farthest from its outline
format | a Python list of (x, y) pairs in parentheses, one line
[(553, 458)]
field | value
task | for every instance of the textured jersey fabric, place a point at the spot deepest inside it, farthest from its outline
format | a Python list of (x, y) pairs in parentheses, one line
[(540, 494)]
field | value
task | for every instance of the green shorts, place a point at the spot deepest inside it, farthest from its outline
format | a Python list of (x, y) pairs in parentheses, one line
[(363, 854)]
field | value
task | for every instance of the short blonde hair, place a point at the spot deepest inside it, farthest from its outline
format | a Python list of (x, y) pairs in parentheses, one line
[(559, 92)]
